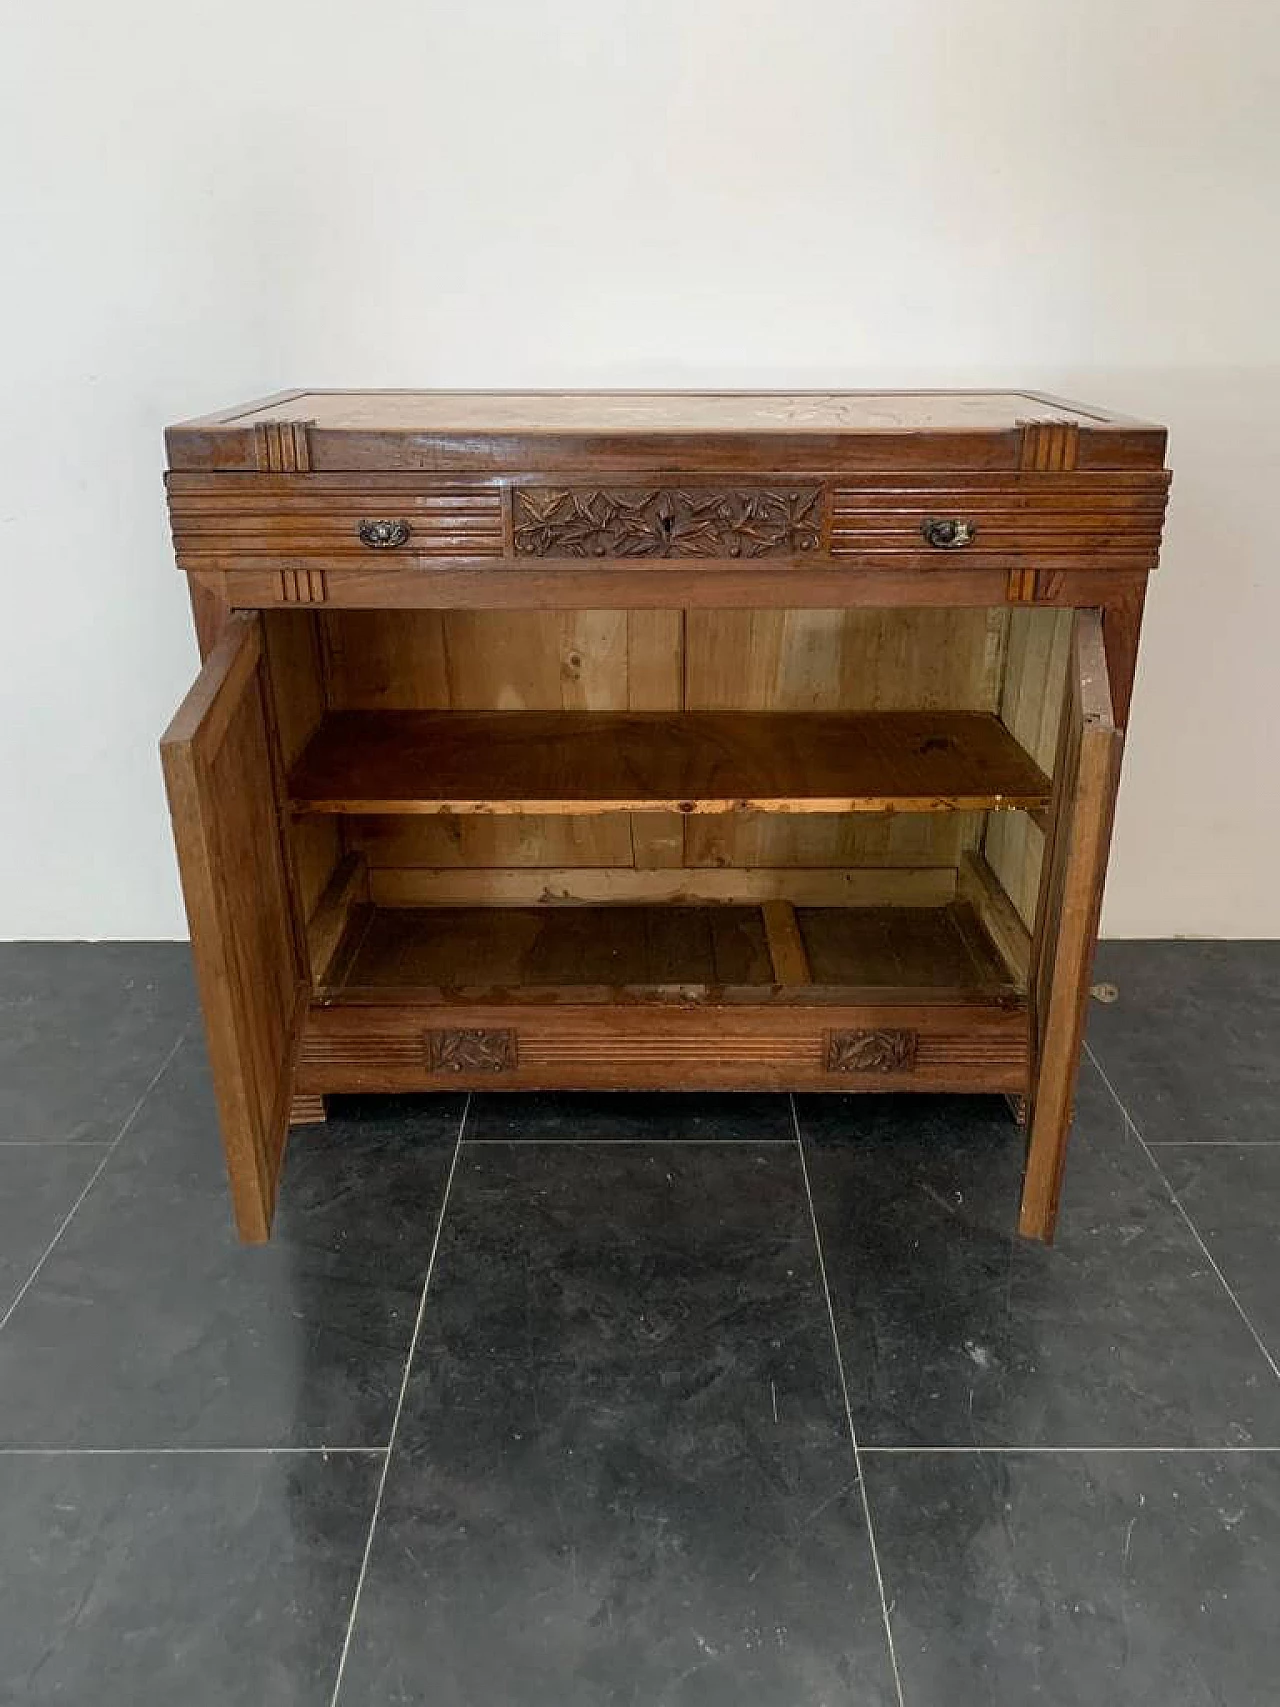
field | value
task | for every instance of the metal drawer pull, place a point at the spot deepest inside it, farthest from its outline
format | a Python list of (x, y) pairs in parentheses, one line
[(384, 535), (948, 533)]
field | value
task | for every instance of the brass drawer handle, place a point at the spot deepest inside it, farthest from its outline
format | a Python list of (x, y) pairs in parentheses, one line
[(383, 535), (948, 533)]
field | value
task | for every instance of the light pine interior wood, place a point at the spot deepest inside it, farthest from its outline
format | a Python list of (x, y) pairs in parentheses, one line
[(1032, 688), (1009, 663)]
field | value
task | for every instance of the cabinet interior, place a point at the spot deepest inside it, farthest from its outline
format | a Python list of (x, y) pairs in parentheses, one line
[(738, 805)]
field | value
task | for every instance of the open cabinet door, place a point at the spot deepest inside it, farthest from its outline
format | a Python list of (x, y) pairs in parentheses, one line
[(222, 797), (1075, 861)]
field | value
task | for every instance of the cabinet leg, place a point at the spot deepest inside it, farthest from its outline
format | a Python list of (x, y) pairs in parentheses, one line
[(1046, 1159), (306, 1110)]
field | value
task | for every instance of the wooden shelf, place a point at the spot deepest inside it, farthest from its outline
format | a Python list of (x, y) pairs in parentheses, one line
[(693, 762), (744, 954)]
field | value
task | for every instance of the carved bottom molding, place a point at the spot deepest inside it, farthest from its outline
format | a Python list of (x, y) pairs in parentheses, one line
[(416, 1058), (871, 1051), (471, 1051)]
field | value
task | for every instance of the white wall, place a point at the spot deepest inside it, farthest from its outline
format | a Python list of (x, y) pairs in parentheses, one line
[(209, 203)]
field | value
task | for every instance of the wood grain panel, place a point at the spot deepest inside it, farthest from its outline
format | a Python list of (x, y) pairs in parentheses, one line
[(544, 886), (471, 842), (697, 949), (502, 660), (747, 839), (1070, 900), (799, 660), (479, 947), (1031, 701), (690, 762), (1047, 519), (222, 797), (239, 522), (295, 675), (589, 1047), (655, 682), (850, 660)]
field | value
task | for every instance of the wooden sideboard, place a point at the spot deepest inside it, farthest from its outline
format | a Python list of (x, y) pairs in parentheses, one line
[(638, 740)]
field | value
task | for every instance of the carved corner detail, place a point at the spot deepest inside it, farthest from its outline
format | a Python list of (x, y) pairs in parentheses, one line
[(1048, 447), (871, 1051), (282, 447), (471, 1051), (303, 586), (666, 522), (1021, 587)]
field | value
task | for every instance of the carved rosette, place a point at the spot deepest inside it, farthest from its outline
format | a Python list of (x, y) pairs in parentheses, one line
[(471, 1051), (666, 522), (871, 1051)]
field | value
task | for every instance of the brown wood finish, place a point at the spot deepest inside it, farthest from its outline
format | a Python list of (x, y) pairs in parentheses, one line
[(702, 951), (549, 886), (1067, 919), (652, 740), (689, 762), (665, 1046), (1025, 521), (222, 794)]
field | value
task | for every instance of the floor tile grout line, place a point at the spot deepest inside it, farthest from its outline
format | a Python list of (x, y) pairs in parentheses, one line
[(192, 1451), (1178, 1204), (848, 1408), (55, 1143), (93, 1178), (1211, 1143), (395, 1419), (1048, 1451), (646, 1139)]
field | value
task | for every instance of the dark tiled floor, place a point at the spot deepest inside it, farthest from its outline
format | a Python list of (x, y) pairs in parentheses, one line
[(1220, 1002), (622, 1471), (150, 1325), (599, 1337), (212, 1581), (1094, 1579), (954, 1334), (84, 1028)]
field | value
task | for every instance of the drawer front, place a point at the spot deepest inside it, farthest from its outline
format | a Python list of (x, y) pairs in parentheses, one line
[(1014, 520), (1032, 521), (236, 521)]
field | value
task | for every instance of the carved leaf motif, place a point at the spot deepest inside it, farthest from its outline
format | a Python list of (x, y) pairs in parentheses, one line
[(871, 1051), (666, 522), (471, 1051)]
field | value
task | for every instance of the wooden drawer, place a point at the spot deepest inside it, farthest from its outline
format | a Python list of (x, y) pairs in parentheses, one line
[(1110, 520), (372, 522), (252, 521)]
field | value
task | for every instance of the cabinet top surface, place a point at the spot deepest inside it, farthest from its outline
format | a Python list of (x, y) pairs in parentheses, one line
[(663, 412), (599, 433)]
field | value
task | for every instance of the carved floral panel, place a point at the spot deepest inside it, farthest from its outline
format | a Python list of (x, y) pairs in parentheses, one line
[(666, 522), (871, 1051), (471, 1051)]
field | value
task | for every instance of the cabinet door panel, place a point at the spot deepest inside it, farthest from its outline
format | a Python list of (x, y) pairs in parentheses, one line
[(221, 781), (1075, 860)]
